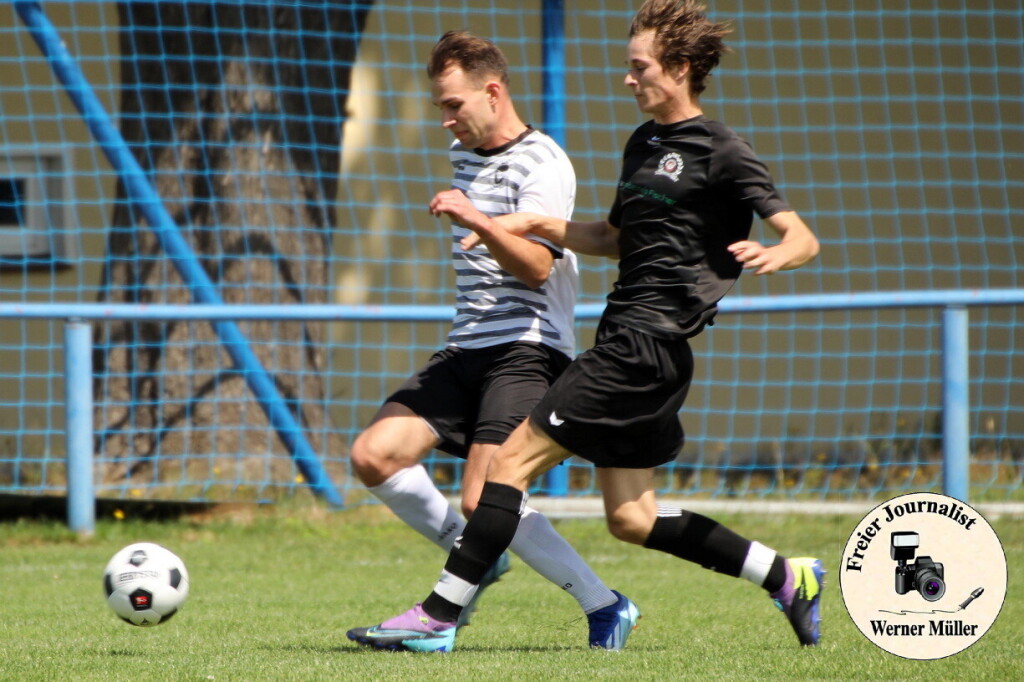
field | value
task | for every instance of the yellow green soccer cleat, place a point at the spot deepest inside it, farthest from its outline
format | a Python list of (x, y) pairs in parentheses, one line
[(802, 603)]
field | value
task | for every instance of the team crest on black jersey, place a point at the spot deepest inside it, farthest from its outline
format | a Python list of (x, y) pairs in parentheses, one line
[(671, 165)]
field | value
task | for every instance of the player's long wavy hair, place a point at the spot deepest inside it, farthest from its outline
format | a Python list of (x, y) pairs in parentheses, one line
[(683, 33)]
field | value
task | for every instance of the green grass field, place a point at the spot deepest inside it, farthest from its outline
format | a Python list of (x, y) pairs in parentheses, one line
[(273, 592)]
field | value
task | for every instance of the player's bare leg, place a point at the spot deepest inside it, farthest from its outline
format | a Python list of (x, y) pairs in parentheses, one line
[(634, 516), (386, 457)]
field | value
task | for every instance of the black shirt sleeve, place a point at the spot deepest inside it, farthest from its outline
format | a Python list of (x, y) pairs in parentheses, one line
[(615, 214), (744, 178)]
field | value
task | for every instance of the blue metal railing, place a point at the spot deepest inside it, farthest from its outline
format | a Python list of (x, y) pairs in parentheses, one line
[(78, 353)]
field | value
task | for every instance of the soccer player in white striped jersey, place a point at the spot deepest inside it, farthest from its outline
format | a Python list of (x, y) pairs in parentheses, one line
[(511, 338)]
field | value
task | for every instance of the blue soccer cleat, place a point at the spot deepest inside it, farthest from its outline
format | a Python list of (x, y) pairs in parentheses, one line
[(611, 626), (414, 630), (492, 576), (802, 605)]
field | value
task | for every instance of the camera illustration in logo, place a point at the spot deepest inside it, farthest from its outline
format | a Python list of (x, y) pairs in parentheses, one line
[(923, 575)]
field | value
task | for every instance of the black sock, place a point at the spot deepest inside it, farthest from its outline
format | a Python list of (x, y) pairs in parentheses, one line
[(701, 540), (776, 575), (489, 533), (704, 541), (439, 608)]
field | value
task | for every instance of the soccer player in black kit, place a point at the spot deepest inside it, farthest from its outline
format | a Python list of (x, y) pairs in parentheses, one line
[(680, 228)]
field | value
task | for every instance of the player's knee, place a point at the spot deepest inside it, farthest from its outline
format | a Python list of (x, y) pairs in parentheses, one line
[(632, 528), (468, 506), (371, 465)]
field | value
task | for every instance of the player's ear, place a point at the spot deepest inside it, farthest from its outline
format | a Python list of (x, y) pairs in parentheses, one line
[(493, 89), (682, 72)]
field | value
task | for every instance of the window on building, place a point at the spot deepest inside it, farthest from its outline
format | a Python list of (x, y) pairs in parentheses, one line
[(33, 216)]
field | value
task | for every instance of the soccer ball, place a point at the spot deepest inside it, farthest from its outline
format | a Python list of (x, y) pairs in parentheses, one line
[(145, 584)]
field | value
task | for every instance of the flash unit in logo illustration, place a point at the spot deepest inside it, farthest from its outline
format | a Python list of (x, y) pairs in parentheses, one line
[(671, 165), (923, 575)]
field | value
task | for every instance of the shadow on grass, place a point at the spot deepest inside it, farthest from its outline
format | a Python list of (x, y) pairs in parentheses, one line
[(367, 650)]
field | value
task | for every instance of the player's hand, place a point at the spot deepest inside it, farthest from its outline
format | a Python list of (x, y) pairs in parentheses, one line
[(756, 256), (470, 241), (457, 206)]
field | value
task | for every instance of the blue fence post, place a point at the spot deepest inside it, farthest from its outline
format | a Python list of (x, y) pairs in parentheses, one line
[(557, 480), (955, 411), (553, 46), (78, 426)]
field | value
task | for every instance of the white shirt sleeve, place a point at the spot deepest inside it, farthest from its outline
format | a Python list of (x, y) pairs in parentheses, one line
[(550, 189)]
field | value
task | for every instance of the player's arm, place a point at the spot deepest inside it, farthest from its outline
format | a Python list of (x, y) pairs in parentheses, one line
[(797, 246), (527, 261), (543, 209), (597, 238)]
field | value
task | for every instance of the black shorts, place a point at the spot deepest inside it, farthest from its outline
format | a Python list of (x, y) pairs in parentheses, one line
[(480, 395), (618, 403)]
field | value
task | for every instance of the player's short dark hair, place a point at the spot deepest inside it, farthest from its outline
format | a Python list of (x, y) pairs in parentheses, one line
[(478, 58), (683, 33)]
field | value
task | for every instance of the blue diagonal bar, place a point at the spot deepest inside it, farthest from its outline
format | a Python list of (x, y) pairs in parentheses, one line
[(142, 194)]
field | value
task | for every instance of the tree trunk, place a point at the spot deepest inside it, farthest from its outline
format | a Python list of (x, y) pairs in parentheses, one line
[(236, 112)]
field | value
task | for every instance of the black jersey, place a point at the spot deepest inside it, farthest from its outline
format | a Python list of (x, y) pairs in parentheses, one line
[(687, 191)]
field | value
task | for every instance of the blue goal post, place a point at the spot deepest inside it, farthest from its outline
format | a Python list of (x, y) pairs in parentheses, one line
[(278, 157)]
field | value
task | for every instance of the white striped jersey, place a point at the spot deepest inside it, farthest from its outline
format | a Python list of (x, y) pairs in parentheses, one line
[(532, 174)]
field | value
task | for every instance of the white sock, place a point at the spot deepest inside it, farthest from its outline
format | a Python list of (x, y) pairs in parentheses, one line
[(757, 563), (538, 544), (413, 497), (455, 589)]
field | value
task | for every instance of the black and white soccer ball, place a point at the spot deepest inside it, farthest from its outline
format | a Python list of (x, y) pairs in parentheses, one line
[(145, 584)]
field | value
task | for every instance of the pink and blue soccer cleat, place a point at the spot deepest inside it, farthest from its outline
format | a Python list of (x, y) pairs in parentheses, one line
[(414, 630)]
